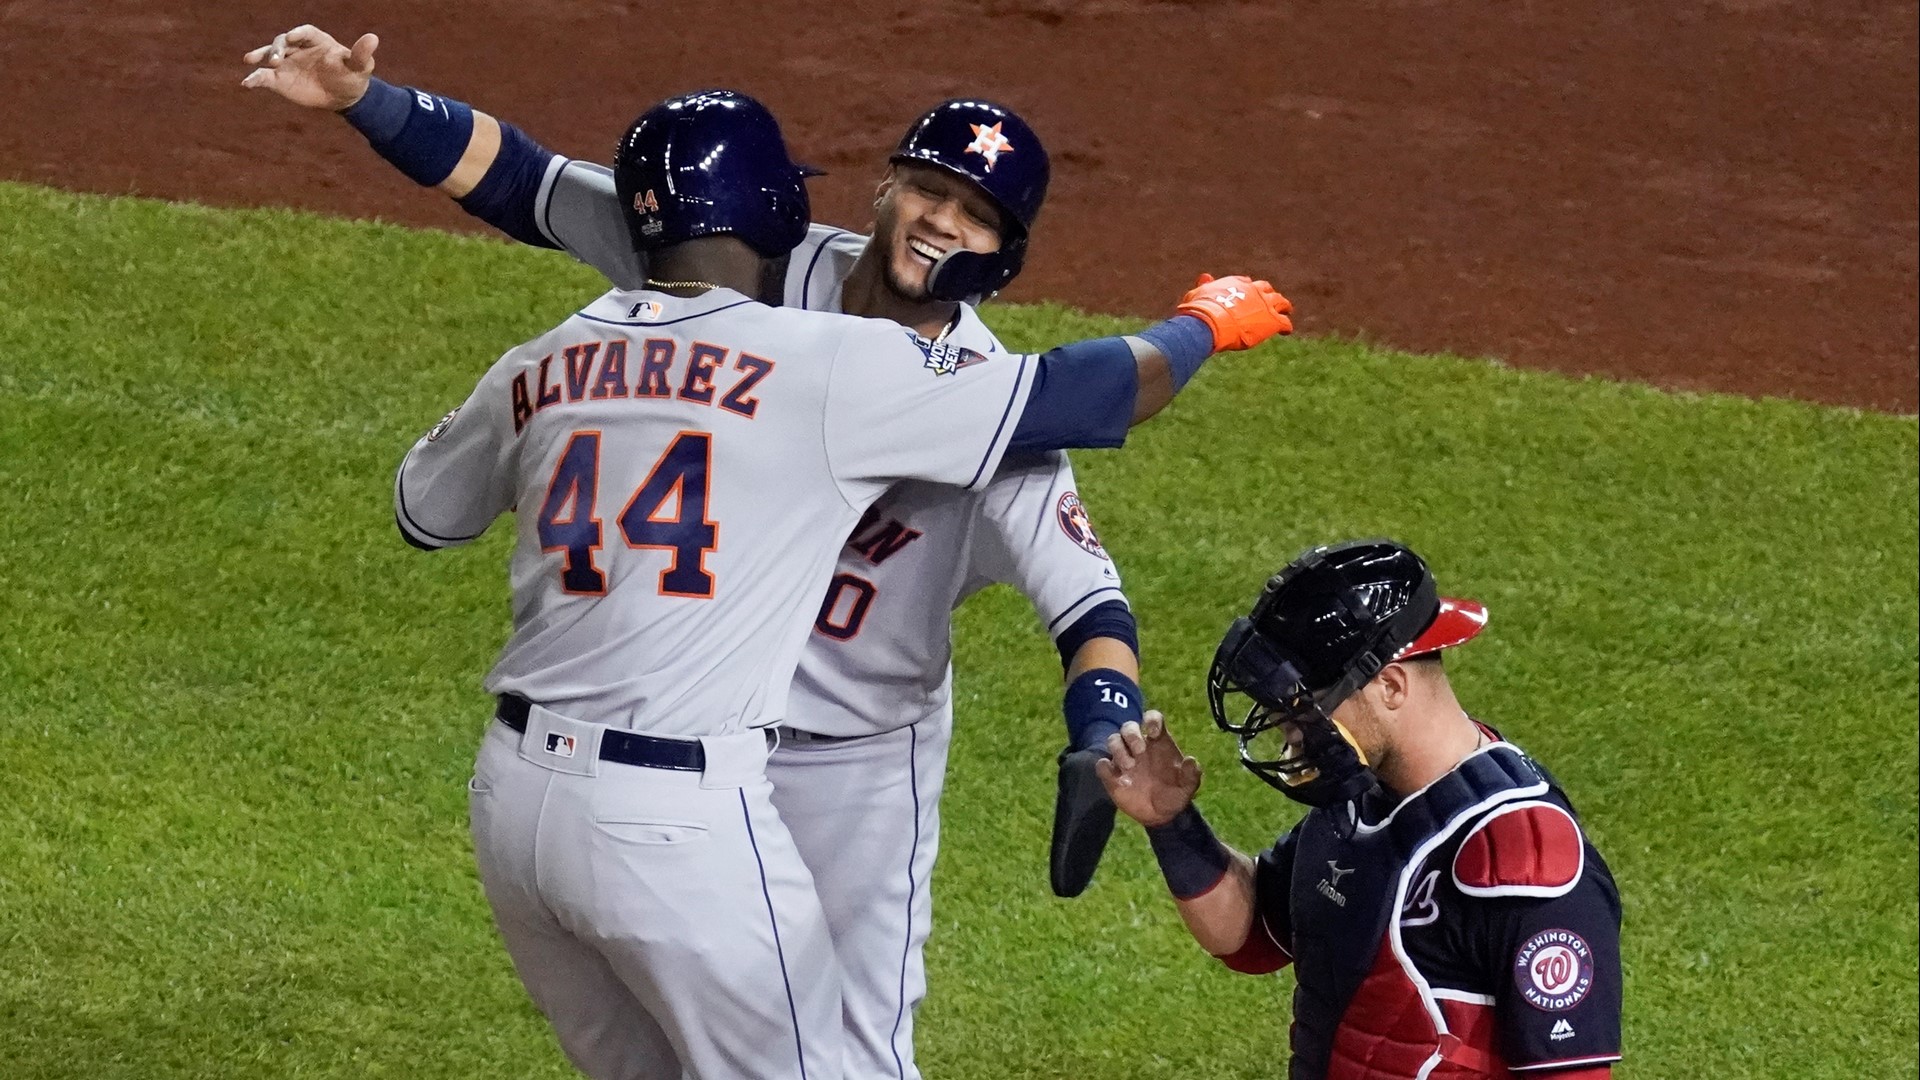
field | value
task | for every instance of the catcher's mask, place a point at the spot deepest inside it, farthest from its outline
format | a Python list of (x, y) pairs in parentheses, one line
[(1323, 628)]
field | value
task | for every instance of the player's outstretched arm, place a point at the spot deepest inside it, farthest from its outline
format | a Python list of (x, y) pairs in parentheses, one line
[(493, 170), (1237, 313), (308, 67), (1088, 393)]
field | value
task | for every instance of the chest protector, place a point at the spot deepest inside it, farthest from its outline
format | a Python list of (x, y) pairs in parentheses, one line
[(1361, 1006)]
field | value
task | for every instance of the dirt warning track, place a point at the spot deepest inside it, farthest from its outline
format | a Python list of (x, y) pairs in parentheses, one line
[(1716, 195)]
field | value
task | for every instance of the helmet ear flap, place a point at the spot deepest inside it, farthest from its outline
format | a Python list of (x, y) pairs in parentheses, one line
[(961, 275)]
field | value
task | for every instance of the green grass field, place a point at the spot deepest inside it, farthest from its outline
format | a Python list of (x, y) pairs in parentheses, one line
[(237, 713)]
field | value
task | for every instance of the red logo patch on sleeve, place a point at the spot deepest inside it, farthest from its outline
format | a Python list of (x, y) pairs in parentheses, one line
[(1554, 970)]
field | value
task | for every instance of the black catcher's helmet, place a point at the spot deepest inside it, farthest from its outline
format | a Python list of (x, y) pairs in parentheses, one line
[(709, 163), (1322, 628), (990, 145)]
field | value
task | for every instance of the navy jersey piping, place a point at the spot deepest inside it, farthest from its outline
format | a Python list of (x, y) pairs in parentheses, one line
[(1019, 377)]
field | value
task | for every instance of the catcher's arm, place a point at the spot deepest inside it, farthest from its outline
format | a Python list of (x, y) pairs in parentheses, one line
[(1152, 782)]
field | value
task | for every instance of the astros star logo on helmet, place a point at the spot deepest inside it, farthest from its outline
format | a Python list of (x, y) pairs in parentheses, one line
[(989, 143)]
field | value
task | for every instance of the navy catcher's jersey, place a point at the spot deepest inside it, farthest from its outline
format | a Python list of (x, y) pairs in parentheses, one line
[(1502, 956)]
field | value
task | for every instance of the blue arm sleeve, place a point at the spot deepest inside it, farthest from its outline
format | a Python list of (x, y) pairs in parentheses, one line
[(1111, 619), (1185, 341), (1083, 393), (1082, 396), (507, 197), (424, 136)]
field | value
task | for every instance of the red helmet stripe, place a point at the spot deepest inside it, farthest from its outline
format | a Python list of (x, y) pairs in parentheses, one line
[(1457, 623)]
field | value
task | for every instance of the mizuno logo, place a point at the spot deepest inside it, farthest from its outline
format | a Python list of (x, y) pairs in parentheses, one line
[(1561, 1030), (1326, 888)]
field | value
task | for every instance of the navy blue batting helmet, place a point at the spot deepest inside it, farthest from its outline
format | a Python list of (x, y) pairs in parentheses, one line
[(990, 145), (709, 163)]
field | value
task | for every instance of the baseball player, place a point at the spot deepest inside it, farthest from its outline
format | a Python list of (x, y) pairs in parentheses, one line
[(859, 774), (684, 462), (1444, 912)]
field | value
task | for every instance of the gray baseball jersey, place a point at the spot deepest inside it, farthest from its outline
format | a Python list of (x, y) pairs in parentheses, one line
[(882, 643), (684, 472)]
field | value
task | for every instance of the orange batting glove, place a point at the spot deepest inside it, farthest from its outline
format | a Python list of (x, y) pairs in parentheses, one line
[(1241, 312)]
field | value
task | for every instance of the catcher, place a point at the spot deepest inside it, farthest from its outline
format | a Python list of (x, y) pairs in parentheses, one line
[(1444, 912)]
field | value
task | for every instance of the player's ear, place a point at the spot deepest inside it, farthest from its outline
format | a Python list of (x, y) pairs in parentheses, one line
[(885, 185), (1395, 683)]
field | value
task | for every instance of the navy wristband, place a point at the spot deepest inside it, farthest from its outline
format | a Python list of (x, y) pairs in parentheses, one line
[(423, 135), (1107, 619), (381, 112), (1185, 340), (1097, 703), (1191, 858)]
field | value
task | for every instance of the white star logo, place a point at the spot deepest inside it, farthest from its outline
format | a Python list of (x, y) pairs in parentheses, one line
[(988, 143)]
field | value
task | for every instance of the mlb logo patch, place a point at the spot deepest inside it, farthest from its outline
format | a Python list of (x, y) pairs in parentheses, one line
[(646, 311), (560, 745)]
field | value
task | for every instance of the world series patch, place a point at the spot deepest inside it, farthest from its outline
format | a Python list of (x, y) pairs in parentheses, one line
[(1554, 970), (944, 357)]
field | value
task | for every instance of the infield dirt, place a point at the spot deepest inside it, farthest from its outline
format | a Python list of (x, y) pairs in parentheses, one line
[(1706, 195)]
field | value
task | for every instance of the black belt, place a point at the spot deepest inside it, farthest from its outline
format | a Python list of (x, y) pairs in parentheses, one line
[(625, 747)]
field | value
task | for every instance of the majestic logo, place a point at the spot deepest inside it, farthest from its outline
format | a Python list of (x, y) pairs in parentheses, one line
[(1554, 970), (944, 357), (440, 428), (989, 144), (560, 745), (1326, 887), (646, 311), (1072, 515), (1561, 1030), (1422, 909)]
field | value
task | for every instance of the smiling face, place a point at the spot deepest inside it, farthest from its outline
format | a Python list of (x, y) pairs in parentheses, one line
[(924, 212)]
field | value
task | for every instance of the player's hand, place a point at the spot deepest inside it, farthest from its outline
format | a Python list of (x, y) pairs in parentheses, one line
[(1242, 312), (308, 67), (1146, 775)]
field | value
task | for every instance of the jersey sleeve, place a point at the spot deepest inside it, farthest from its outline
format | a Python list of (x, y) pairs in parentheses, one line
[(1040, 539), (902, 408), (578, 210), (1556, 962), (1269, 945), (458, 477)]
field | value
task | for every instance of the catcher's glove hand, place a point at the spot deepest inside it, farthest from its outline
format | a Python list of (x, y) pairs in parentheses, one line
[(1241, 312)]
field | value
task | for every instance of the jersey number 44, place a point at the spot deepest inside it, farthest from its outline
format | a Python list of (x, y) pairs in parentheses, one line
[(668, 511)]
